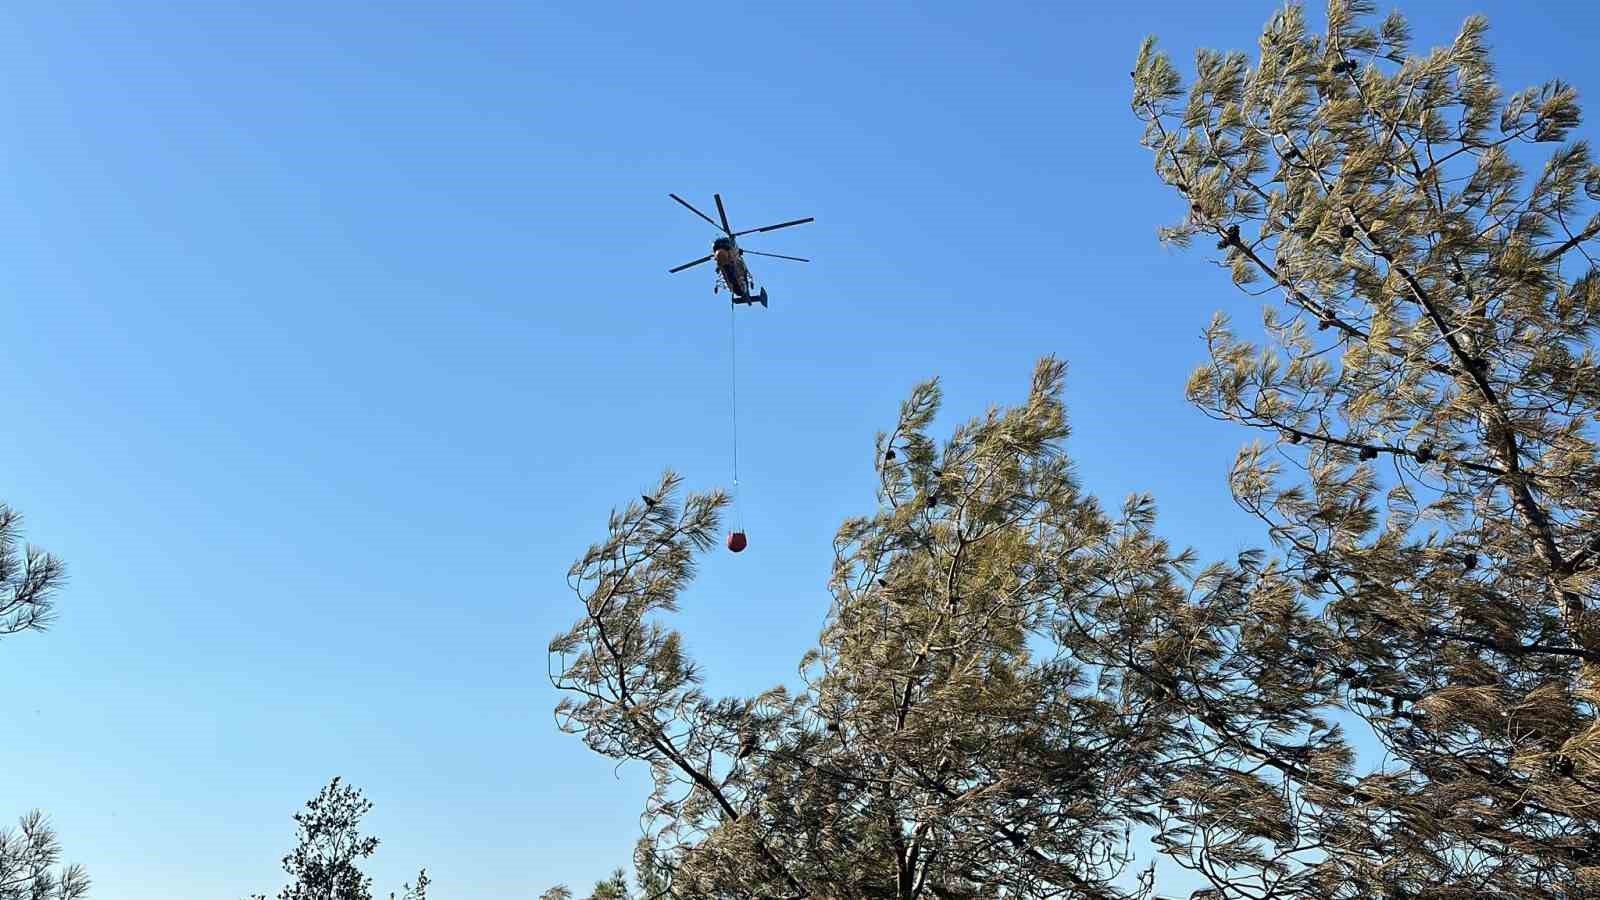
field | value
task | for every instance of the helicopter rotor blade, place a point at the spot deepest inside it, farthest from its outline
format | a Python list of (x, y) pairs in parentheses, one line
[(777, 226), (723, 213), (712, 222), (689, 265), (773, 255)]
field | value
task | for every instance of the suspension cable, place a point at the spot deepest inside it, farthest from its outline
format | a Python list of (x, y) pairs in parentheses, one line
[(733, 399)]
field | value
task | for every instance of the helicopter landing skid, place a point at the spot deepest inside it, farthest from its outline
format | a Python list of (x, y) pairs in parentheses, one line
[(760, 298)]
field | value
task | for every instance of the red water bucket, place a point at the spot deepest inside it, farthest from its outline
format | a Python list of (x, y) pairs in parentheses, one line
[(737, 541)]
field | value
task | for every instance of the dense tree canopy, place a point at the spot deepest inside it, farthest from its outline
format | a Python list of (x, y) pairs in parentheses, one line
[(1429, 465), (1011, 679), (961, 731)]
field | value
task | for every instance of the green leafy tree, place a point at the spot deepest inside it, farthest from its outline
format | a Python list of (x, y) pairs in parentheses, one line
[(1426, 396), (329, 847), (962, 731), (30, 854)]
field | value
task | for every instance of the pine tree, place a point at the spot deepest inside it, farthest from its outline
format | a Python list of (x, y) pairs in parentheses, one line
[(28, 864), (950, 740), (614, 887), (29, 855), (648, 876), (28, 580), (1427, 397)]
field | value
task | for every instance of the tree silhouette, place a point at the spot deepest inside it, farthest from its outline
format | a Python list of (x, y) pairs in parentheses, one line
[(29, 578), (28, 864), (29, 855), (329, 846)]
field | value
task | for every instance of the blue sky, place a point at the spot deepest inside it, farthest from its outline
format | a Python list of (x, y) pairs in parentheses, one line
[(332, 332)]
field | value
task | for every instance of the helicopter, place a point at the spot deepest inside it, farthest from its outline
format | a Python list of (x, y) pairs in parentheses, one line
[(731, 270)]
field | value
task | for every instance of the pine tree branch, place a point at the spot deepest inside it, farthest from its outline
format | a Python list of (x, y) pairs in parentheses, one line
[(1578, 561), (1298, 296), (1527, 505), (1506, 447), (1377, 448), (1509, 648), (656, 737), (1590, 232)]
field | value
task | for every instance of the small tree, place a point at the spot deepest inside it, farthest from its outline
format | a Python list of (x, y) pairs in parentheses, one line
[(613, 888), (1429, 464), (29, 855), (329, 845)]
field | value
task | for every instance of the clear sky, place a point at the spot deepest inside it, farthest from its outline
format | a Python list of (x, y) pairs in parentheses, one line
[(331, 332)]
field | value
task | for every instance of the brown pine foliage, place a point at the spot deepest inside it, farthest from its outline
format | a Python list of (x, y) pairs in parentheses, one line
[(1428, 397)]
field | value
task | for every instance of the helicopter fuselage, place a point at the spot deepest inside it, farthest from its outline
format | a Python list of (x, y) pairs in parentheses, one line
[(730, 265)]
